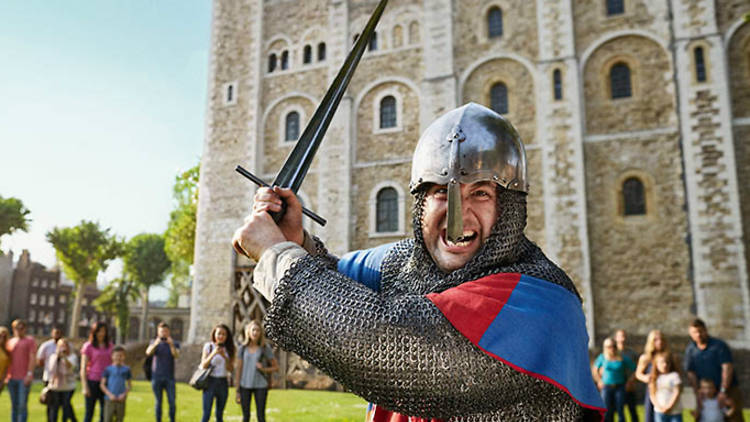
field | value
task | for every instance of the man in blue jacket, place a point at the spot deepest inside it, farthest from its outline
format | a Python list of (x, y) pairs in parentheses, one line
[(467, 320)]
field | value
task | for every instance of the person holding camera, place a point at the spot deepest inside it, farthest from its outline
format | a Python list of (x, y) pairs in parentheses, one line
[(219, 355), (61, 368), (163, 351)]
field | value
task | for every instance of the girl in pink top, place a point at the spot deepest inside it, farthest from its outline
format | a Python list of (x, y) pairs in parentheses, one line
[(95, 357)]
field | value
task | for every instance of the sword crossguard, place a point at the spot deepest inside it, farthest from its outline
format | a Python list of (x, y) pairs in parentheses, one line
[(277, 216)]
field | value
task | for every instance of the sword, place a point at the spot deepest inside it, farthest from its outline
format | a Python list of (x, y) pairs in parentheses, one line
[(295, 167)]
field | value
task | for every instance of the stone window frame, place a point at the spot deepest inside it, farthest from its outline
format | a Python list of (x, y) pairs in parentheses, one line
[(390, 91), (488, 23), (282, 142), (373, 207), (374, 43), (278, 51), (509, 84), (484, 29), (393, 36), (706, 46), (558, 71), (314, 38), (626, 8), (633, 65), (383, 41), (418, 32), (505, 94), (307, 55), (321, 53), (648, 196), (226, 89)]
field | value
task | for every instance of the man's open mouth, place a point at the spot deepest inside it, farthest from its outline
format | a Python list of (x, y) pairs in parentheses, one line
[(463, 241)]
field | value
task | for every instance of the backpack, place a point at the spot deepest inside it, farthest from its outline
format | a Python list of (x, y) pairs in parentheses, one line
[(147, 366)]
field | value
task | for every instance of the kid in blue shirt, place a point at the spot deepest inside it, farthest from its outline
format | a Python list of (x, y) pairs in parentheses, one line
[(116, 383)]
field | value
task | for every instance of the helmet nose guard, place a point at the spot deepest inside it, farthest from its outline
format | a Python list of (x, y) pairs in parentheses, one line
[(467, 145)]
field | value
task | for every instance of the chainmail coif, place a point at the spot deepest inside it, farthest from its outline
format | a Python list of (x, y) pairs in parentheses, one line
[(396, 349)]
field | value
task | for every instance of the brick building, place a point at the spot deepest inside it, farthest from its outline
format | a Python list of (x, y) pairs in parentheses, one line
[(43, 297), (635, 114)]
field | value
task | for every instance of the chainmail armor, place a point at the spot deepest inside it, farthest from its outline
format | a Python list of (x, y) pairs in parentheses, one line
[(396, 349)]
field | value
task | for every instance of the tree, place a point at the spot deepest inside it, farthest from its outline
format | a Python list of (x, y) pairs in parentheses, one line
[(115, 300), (180, 234), (84, 251), (13, 216), (146, 263)]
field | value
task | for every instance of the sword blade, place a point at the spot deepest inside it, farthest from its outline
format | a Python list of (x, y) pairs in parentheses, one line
[(298, 163)]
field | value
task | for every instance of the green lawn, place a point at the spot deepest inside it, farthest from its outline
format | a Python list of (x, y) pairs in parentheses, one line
[(283, 405), (686, 416)]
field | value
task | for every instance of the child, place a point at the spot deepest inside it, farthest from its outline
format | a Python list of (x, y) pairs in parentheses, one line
[(665, 388), (710, 411), (116, 384)]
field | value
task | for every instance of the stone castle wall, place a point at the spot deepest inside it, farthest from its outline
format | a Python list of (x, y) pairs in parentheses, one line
[(685, 140)]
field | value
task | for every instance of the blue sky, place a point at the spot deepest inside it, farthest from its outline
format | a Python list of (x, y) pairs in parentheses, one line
[(101, 104)]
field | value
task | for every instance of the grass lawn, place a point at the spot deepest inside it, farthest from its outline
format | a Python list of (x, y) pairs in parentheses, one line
[(283, 405)]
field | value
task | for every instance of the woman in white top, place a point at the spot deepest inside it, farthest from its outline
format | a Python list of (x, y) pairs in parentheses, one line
[(255, 361), (61, 368), (219, 355)]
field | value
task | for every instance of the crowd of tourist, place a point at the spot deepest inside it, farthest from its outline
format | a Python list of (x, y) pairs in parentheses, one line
[(106, 379), (707, 366)]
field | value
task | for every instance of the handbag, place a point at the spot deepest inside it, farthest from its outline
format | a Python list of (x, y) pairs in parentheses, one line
[(199, 380), (44, 395)]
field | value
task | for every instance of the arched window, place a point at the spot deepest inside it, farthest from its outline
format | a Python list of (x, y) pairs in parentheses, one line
[(398, 36), (414, 33), (373, 44), (495, 22), (387, 211), (615, 7), (499, 98), (557, 82), (285, 60), (634, 197), (321, 51), (700, 65), (307, 54), (292, 127), (388, 112), (619, 78), (272, 63)]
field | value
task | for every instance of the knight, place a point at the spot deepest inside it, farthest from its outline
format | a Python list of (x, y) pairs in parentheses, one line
[(466, 321)]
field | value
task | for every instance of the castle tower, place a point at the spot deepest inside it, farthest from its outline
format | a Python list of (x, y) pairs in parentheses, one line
[(634, 163)]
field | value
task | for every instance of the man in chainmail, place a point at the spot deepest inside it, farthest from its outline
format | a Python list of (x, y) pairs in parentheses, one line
[(467, 321)]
